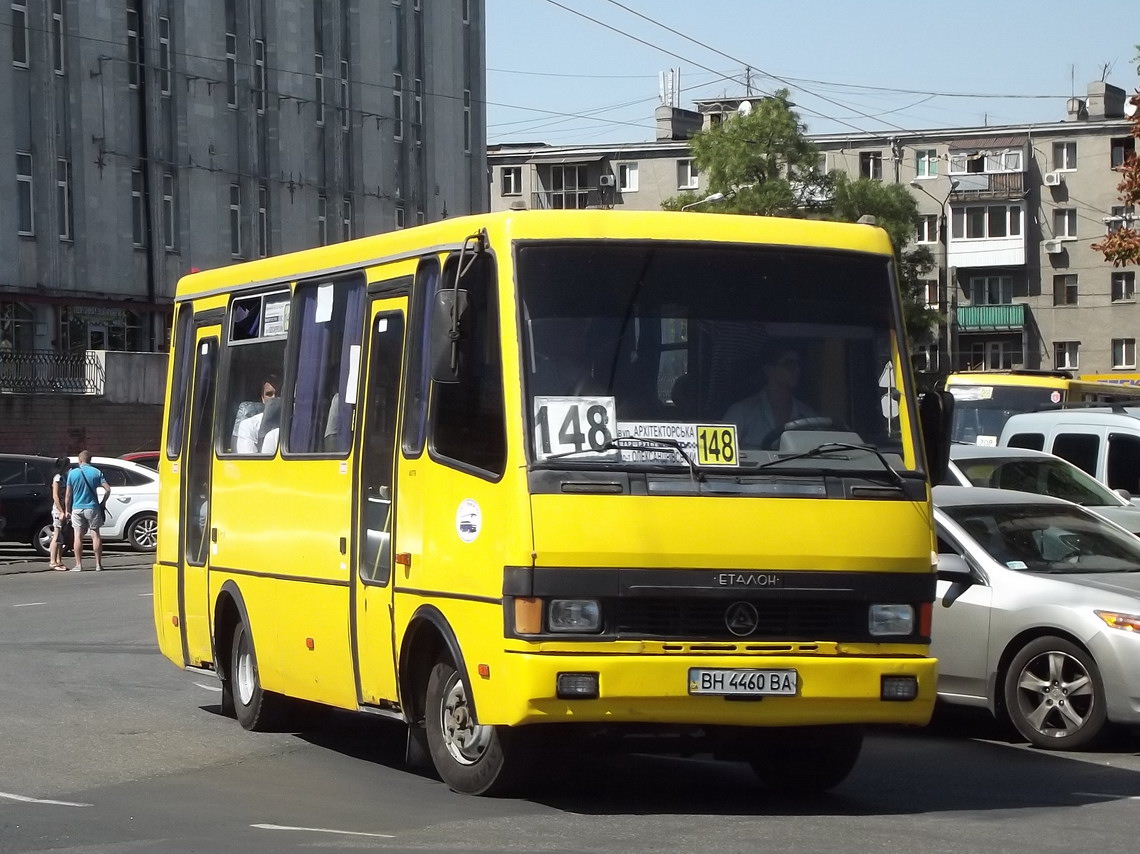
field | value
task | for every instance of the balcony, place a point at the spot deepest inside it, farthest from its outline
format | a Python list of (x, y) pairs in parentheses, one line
[(988, 185), (991, 318), (34, 371), (580, 199)]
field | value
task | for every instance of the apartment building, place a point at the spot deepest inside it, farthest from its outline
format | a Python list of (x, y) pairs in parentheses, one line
[(1010, 214), (152, 137)]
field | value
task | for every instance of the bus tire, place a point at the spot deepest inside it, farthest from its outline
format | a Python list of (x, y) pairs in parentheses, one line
[(471, 758), (807, 760), (255, 708)]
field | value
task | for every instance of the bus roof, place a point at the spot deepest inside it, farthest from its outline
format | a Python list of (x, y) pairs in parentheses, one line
[(539, 225), (1026, 379)]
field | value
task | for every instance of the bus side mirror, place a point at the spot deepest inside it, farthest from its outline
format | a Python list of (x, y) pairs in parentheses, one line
[(447, 313), (935, 414)]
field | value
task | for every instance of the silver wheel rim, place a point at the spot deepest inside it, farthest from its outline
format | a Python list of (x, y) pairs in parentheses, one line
[(45, 538), (465, 740), (244, 676), (1055, 694), (146, 532)]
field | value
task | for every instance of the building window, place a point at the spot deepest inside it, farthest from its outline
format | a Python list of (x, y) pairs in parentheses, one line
[(133, 59), (322, 220), (164, 55), (57, 43), (627, 177), (927, 231), (138, 208), (399, 216), (467, 121), (1122, 150), (467, 11), (169, 220), (1065, 222), (20, 33), (930, 290), (688, 177), (568, 188), (1124, 352), (235, 220), (346, 218), (319, 79), (871, 165), (1064, 156), (418, 109), (25, 195), (1065, 289), (63, 197), (231, 71), (259, 74), (926, 163), (511, 180), (1124, 286), (991, 290), (1120, 216), (398, 107), (985, 162), (1066, 355), (983, 222), (345, 123), (262, 221)]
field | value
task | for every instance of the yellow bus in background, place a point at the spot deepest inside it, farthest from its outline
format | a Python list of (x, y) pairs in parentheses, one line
[(479, 476), (984, 400)]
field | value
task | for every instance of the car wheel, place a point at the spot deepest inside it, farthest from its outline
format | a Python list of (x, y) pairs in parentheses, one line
[(142, 532), (807, 760), (255, 708), (1054, 695), (41, 540), (472, 758)]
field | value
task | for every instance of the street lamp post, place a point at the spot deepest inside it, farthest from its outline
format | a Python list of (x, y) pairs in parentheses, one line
[(714, 197), (945, 321)]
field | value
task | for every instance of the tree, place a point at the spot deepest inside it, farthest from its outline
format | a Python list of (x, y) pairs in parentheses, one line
[(1122, 246), (760, 161)]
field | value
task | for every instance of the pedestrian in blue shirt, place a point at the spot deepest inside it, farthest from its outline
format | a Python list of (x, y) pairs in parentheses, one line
[(87, 508)]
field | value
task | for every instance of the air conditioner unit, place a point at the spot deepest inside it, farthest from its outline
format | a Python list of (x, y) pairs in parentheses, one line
[(605, 180), (1054, 179), (1052, 247)]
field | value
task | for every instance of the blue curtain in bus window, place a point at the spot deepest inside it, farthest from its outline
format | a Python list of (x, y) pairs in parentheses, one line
[(331, 315)]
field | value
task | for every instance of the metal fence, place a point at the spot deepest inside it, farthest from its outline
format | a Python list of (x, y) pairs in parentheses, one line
[(30, 371)]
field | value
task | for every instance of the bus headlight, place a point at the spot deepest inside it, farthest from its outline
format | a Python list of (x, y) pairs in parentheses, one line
[(574, 615), (890, 620)]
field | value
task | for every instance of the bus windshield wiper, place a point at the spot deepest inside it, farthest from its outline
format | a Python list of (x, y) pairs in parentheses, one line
[(631, 443), (828, 448)]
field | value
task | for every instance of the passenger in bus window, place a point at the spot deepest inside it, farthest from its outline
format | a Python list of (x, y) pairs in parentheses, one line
[(775, 404), (248, 434)]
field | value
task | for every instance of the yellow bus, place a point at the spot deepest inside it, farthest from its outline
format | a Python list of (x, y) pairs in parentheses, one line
[(984, 400), (510, 477)]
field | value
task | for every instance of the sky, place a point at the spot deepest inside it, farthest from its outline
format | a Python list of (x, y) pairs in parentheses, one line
[(859, 65)]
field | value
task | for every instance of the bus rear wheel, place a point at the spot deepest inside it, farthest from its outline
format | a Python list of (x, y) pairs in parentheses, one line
[(807, 760), (472, 758), (255, 708)]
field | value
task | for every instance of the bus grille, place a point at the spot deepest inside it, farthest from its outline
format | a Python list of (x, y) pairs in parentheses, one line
[(787, 619)]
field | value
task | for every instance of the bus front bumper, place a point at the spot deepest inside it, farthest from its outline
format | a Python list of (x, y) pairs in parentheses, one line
[(658, 690)]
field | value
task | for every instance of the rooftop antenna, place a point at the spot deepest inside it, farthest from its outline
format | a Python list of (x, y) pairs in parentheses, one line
[(748, 80), (1106, 69), (669, 87)]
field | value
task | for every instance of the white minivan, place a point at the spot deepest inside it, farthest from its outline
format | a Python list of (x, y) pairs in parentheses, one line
[(1103, 440)]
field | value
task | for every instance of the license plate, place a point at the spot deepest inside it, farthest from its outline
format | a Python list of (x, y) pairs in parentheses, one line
[(742, 683)]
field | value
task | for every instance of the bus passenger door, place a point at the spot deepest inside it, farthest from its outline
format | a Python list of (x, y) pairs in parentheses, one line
[(194, 521), (374, 504)]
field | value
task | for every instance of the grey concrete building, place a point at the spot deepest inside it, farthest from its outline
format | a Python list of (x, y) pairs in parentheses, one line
[(151, 137), (1010, 213)]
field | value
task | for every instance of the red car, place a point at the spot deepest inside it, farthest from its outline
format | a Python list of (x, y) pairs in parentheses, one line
[(143, 458)]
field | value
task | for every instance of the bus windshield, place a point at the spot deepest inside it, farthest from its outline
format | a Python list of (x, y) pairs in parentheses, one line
[(706, 346), (980, 411)]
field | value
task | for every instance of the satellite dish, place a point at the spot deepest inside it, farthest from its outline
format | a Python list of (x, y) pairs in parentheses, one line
[(1130, 107), (744, 109)]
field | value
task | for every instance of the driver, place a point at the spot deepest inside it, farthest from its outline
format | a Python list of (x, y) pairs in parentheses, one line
[(774, 405)]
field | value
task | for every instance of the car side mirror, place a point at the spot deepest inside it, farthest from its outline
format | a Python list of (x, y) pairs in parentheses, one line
[(953, 567), (1124, 493)]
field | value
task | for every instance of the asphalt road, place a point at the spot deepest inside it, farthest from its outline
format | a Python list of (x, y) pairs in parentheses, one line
[(106, 746)]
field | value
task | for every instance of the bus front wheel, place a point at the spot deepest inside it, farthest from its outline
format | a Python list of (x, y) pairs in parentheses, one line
[(471, 758), (806, 760), (255, 708)]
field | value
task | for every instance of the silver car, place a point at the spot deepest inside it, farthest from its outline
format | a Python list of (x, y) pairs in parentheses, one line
[(1038, 614), (1045, 474)]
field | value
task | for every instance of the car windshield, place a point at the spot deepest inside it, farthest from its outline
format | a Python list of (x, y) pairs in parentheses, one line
[(704, 354), (980, 411), (1052, 538), (1042, 475)]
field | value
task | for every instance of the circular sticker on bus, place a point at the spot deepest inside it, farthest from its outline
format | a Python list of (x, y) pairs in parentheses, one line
[(1055, 397), (468, 520)]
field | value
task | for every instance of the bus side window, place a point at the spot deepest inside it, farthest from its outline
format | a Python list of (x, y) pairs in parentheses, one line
[(249, 406), (184, 356), (468, 418), (415, 406), (1030, 441)]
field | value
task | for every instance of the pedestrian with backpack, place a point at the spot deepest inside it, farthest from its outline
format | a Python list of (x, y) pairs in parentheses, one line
[(87, 509)]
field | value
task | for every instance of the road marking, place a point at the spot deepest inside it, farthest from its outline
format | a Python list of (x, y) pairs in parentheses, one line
[(28, 604), (322, 830), (209, 687), (146, 594), (25, 799)]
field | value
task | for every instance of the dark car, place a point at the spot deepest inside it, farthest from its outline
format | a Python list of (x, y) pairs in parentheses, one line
[(143, 458), (25, 498)]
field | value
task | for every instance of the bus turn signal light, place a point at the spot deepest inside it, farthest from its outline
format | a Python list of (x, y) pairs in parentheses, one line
[(528, 615)]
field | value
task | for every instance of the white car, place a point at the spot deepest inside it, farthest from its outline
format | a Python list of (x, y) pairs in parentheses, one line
[(131, 511)]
